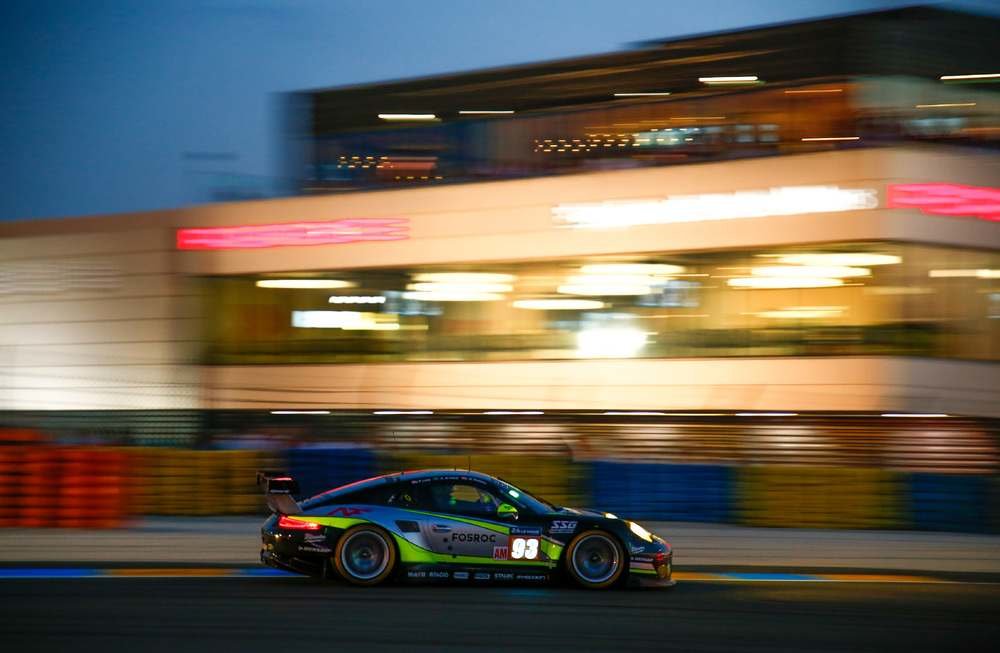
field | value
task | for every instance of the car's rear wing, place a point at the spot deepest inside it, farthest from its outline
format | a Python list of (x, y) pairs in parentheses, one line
[(278, 490)]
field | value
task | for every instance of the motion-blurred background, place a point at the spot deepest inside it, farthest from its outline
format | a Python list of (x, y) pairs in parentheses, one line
[(750, 276)]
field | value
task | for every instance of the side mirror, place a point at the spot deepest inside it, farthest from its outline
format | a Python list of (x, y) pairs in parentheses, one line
[(507, 511)]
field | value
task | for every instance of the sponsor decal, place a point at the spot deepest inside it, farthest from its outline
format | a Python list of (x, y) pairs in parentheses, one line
[(531, 577), (481, 575), (438, 574), (632, 548), (474, 537), (460, 575), (346, 511), (416, 574), (315, 549), (501, 553), (524, 548), (560, 526), (315, 538), (523, 530), (503, 575)]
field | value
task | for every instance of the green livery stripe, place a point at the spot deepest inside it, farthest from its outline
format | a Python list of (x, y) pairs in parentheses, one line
[(642, 571), (496, 528), (411, 553)]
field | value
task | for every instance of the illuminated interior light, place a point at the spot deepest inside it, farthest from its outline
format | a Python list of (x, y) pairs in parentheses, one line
[(465, 277), (356, 299), (783, 282), (835, 271), (643, 94), (445, 287), (326, 284), (813, 90), (610, 342), (346, 320), (840, 258), (766, 414), (402, 412), (944, 105), (832, 138), (790, 200), (408, 116), (802, 312), (915, 415), (456, 296), (740, 79), (946, 78), (513, 412), (980, 273), (300, 412), (485, 112), (558, 304)]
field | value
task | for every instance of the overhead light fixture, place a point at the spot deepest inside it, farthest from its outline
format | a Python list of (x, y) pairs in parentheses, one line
[(597, 287), (980, 273), (643, 94), (558, 304), (485, 112), (802, 312), (300, 412), (849, 259), (346, 320), (325, 284), (408, 116), (402, 412), (944, 105), (832, 138), (814, 271), (776, 283), (947, 78), (356, 299), (739, 79)]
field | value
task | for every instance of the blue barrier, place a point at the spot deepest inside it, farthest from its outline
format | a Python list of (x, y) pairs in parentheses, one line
[(700, 493), (322, 467), (943, 502)]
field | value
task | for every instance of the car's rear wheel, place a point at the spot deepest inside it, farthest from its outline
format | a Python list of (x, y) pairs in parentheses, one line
[(365, 555), (595, 559)]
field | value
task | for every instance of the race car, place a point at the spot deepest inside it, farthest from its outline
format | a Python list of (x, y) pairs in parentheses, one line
[(453, 526)]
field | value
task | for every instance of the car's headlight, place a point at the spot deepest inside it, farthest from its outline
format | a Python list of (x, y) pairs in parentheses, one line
[(610, 516), (640, 532)]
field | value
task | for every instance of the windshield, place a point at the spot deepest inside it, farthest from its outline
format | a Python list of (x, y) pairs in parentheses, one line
[(524, 498)]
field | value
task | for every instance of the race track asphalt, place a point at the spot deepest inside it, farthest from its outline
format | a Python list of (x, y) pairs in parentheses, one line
[(233, 615)]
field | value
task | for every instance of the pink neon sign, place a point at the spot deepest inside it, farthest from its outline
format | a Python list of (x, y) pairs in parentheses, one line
[(946, 199), (294, 234)]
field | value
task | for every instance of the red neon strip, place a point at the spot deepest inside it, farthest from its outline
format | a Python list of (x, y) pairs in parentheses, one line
[(946, 199), (294, 234)]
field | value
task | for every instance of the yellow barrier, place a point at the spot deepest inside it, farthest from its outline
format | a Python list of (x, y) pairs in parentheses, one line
[(553, 479), (819, 497)]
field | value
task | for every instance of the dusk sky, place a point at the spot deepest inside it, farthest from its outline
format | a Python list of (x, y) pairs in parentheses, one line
[(103, 98)]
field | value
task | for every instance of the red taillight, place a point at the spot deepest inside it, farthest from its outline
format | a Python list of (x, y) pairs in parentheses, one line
[(290, 524)]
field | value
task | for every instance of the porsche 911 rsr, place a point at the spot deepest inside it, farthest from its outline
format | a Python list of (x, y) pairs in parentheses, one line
[(450, 525)]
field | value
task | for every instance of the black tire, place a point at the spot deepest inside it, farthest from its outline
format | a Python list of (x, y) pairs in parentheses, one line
[(595, 560), (365, 555)]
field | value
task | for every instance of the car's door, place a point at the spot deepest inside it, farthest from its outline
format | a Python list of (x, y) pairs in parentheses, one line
[(463, 520)]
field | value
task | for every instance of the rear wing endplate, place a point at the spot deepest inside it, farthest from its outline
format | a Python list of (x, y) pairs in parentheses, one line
[(278, 489)]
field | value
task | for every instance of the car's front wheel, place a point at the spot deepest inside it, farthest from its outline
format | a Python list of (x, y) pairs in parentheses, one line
[(595, 559), (365, 555)]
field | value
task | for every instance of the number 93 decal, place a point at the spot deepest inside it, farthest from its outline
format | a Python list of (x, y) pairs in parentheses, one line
[(524, 548)]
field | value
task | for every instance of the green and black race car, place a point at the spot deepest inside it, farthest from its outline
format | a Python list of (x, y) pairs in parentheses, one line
[(450, 525)]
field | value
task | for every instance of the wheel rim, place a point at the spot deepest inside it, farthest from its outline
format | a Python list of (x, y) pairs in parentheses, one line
[(595, 559), (365, 555)]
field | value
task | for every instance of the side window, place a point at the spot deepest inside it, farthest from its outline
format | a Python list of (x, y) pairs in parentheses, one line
[(462, 498), (403, 495)]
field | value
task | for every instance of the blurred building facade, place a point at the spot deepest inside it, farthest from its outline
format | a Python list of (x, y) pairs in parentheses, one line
[(779, 234)]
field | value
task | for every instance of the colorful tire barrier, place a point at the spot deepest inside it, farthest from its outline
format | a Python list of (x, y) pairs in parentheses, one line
[(318, 468), (820, 497), (948, 502), (554, 479), (698, 493)]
